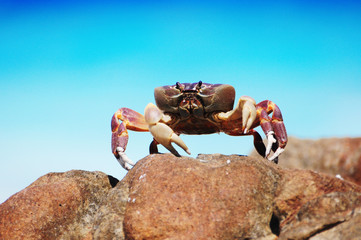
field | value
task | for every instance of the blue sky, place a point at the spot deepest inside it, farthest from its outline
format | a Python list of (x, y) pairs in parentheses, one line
[(66, 67)]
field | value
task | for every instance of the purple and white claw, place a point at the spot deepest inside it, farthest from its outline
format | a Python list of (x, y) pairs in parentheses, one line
[(276, 154), (123, 159)]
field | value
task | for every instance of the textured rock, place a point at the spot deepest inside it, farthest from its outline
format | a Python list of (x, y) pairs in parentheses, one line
[(165, 197), (56, 206), (108, 222), (349, 229), (234, 197), (317, 217), (309, 203), (214, 197), (335, 156)]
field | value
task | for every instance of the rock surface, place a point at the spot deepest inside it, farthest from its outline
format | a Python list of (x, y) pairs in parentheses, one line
[(56, 206), (309, 203), (165, 197), (335, 156), (214, 197)]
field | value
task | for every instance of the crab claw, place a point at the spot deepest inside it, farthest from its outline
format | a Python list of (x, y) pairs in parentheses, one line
[(164, 135), (123, 159), (245, 110), (161, 132), (274, 129), (274, 157), (249, 112), (270, 141)]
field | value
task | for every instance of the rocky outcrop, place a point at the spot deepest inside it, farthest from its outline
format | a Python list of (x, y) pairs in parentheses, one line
[(56, 206), (165, 197), (213, 197), (310, 203), (335, 156)]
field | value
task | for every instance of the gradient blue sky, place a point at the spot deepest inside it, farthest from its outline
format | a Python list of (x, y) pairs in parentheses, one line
[(67, 66)]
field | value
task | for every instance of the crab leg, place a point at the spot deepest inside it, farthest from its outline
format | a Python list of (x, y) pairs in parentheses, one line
[(153, 148), (131, 120), (161, 132), (257, 139), (258, 143), (272, 127)]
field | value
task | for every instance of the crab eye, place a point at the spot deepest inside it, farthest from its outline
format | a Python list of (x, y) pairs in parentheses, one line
[(179, 86), (199, 85)]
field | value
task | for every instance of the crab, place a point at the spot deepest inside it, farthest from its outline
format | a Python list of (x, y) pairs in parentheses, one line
[(199, 108)]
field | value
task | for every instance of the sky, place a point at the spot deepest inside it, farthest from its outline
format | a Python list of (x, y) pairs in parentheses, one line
[(67, 66)]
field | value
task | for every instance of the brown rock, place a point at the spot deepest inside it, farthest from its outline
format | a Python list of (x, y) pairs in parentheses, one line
[(108, 222), (349, 229), (165, 197), (56, 206), (335, 156), (318, 217), (214, 197), (309, 203), (235, 197), (298, 187)]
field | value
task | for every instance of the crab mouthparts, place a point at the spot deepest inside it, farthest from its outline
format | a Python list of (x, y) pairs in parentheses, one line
[(190, 102), (189, 105)]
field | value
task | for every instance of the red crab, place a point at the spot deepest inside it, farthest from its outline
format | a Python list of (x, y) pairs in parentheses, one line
[(199, 108)]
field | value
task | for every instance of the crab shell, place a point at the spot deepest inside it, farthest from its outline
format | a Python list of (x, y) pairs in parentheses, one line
[(204, 97)]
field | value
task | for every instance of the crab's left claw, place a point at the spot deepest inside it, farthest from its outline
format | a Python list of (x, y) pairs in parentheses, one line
[(123, 159), (270, 141), (274, 129), (161, 132)]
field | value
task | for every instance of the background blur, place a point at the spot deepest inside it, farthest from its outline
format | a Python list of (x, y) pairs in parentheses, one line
[(67, 66)]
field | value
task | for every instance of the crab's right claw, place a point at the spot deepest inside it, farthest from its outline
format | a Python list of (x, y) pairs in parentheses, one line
[(164, 135), (161, 132)]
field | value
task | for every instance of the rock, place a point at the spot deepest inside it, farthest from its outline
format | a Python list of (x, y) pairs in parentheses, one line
[(325, 217), (335, 156), (308, 203), (234, 197), (213, 197), (166, 197), (108, 222), (56, 206)]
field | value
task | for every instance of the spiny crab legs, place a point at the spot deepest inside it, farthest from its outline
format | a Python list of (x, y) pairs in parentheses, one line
[(199, 108)]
